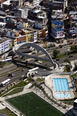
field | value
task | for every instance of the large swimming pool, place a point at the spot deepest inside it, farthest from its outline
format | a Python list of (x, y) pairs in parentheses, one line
[(63, 95), (61, 84)]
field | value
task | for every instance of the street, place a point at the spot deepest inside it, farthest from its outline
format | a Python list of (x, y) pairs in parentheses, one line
[(11, 69)]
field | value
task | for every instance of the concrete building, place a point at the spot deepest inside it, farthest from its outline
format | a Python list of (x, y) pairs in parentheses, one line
[(57, 29), (56, 4), (36, 2), (73, 2), (22, 36), (2, 21), (20, 25), (5, 44), (75, 104), (72, 111), (39, 17), (21, 13), (73, 23)]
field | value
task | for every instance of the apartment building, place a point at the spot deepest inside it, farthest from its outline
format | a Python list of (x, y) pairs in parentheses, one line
[(5, 44), (22, 36), (57, 29)]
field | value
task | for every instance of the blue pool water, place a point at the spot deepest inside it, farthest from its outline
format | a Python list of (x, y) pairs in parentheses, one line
[(61, 84), (63, 95)]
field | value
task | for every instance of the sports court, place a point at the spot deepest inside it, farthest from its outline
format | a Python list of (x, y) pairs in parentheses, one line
[(32, 105)]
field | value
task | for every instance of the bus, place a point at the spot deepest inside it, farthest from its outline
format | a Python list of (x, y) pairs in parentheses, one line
[(33, 69), (4, 83)]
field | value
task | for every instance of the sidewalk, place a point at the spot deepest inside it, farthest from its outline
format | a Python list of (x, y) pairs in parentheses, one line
[(73, 64)]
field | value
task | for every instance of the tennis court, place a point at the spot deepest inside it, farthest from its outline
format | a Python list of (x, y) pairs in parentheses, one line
[(32, 105)]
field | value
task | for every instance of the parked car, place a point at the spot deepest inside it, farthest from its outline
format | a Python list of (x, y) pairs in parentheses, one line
[(23, 69), (11, 75), (57, 59), (60, 46), (70, 56)]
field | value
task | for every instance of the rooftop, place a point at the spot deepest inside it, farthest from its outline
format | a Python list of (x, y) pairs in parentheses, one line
[(2, 17), (75, 101), (2, 39), (6, 3), (36, 11)]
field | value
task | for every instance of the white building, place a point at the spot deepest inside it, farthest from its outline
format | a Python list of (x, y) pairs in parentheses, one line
[(36, 2), (24, 13), (75, 103)]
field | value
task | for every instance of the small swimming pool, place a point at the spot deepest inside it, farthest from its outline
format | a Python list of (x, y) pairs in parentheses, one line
[(61, 84), (63, 95)]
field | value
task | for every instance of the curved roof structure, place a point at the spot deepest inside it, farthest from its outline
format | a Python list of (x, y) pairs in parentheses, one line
[(38, 48)]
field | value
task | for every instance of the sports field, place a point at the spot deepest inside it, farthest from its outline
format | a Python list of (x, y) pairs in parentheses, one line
[(32, 105)]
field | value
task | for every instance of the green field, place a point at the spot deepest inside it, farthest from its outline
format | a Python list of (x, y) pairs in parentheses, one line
[(7, 112), (32, 105), (16, 90)]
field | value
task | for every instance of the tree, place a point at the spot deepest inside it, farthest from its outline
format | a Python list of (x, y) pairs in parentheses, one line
[(75, 67), (67, 68), (2, 64), (55, 53), (74, 48), (67, 60)]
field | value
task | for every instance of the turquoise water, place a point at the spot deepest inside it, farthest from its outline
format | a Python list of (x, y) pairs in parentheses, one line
[(63, 95), (61, 84)]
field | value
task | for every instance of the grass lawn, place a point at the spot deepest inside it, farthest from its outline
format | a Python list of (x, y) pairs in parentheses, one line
[(21, 84), (62, 55), (16, 90), (32, 105), (7, 112)]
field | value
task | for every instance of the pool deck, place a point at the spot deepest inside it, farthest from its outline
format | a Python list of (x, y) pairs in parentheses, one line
[(49, 82)]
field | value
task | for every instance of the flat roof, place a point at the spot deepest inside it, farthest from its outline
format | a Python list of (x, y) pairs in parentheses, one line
[(72, 12), (6, 3), (41, 17), (2, 39), (2, 13), (26, 30), (58, 2), (75, 101), (10, 16), (36, 11), (2, 17)]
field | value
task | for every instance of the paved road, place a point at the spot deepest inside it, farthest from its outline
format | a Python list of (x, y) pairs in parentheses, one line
[(11, 69), (73, 58), (50, 51), (7, 68)]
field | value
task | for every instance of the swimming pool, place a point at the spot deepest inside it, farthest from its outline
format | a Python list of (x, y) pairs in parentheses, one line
[(63, 95), (61, 84)]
